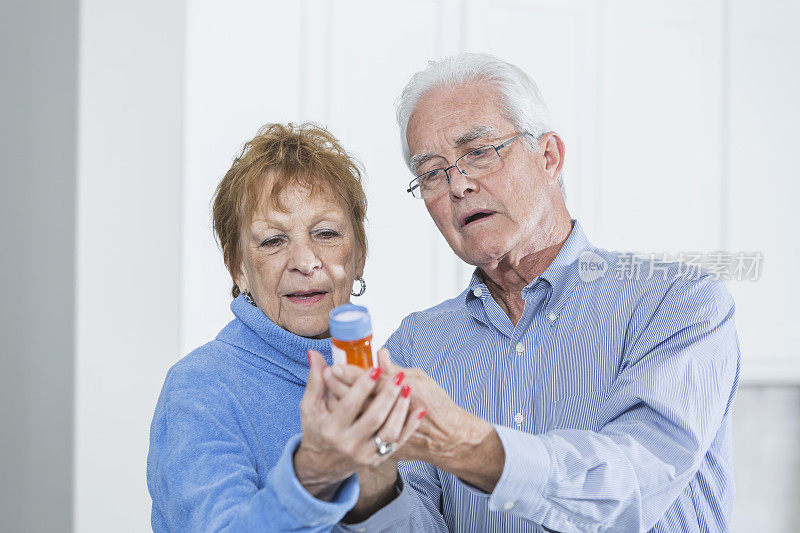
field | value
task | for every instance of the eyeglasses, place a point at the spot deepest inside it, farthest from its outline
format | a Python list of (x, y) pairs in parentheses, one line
[(472, 164)]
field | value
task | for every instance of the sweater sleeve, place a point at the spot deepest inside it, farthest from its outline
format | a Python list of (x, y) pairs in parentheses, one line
[(202, 474)]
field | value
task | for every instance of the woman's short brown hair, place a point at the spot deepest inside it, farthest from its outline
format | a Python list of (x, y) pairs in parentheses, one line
[(285, 154)]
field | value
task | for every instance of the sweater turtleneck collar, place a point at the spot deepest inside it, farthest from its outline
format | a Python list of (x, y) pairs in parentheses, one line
[(264, 338)]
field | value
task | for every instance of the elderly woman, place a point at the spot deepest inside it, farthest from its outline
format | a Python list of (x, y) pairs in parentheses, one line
[(245, 436)]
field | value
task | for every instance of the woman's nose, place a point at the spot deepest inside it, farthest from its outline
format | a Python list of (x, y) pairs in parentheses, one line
[(304, 258)]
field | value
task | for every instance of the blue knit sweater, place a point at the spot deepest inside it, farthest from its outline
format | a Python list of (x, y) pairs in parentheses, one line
[(225, 429)]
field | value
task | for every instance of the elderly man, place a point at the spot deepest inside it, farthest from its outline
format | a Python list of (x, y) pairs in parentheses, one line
[(560, 396)]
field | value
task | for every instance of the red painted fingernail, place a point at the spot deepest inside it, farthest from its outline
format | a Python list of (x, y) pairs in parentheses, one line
[(375, 373), (308, 354), (405, 391), (422, 414), (398, 379)]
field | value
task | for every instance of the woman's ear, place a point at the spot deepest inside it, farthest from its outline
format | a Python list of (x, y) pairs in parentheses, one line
[(239, 277), (361, 260)]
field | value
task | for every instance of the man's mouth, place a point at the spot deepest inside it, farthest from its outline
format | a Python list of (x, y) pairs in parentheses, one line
[(474, 216)]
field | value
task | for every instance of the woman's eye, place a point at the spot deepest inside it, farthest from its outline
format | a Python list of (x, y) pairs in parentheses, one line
[(327, 233), (272, 242)]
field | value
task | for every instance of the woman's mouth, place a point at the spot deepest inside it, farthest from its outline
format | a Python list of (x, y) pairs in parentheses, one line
[(306, 297)]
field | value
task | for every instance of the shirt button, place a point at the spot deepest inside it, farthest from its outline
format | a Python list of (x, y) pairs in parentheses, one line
[(477, 292), (518, 418), (508, 506), (551, 316), (520, 347)]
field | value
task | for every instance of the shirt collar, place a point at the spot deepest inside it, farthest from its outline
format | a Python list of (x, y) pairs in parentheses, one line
[(561, 274)]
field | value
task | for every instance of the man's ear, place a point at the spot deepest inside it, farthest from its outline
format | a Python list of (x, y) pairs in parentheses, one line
[(553, 151)]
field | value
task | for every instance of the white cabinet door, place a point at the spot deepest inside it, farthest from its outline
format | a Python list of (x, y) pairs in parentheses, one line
[(243, 70), (371, 53), (764, 186), (661, 125)]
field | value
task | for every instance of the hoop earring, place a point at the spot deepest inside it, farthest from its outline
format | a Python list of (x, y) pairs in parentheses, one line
[(249, 298), (362, 289)]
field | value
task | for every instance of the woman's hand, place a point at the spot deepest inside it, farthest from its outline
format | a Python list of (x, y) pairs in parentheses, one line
[(449, 437), (339, 433)]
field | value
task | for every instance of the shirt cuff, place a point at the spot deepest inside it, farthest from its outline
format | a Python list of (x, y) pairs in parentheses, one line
[(525, 473), (391, 513), (306, 509)]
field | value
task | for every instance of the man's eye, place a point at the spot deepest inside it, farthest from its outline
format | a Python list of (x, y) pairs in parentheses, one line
[(478, 153), (431, 177)]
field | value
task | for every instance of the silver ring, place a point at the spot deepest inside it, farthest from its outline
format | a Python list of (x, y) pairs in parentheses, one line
[(384, 448)]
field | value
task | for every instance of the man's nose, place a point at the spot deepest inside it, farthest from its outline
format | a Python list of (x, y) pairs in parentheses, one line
[(458, 183), (303, 257)]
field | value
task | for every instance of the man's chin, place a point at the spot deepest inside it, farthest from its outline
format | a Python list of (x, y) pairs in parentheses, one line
[(482, 254), (478, 248)]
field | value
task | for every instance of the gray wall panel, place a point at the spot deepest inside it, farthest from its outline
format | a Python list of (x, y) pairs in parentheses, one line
[(38, 100)]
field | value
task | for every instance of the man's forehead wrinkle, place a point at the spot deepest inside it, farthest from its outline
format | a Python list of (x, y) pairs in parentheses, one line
[(475, 133)]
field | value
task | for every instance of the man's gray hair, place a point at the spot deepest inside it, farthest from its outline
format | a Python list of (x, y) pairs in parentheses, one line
[(522, 103)]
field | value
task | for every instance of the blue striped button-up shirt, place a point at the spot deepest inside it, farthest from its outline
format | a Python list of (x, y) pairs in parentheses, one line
[(611, 396)]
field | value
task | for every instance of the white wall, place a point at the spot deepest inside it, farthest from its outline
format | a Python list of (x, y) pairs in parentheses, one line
[(129, 249), (679, 120)]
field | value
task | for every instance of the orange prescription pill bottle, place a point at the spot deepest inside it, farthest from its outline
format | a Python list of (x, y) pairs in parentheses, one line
[(351, 335)]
